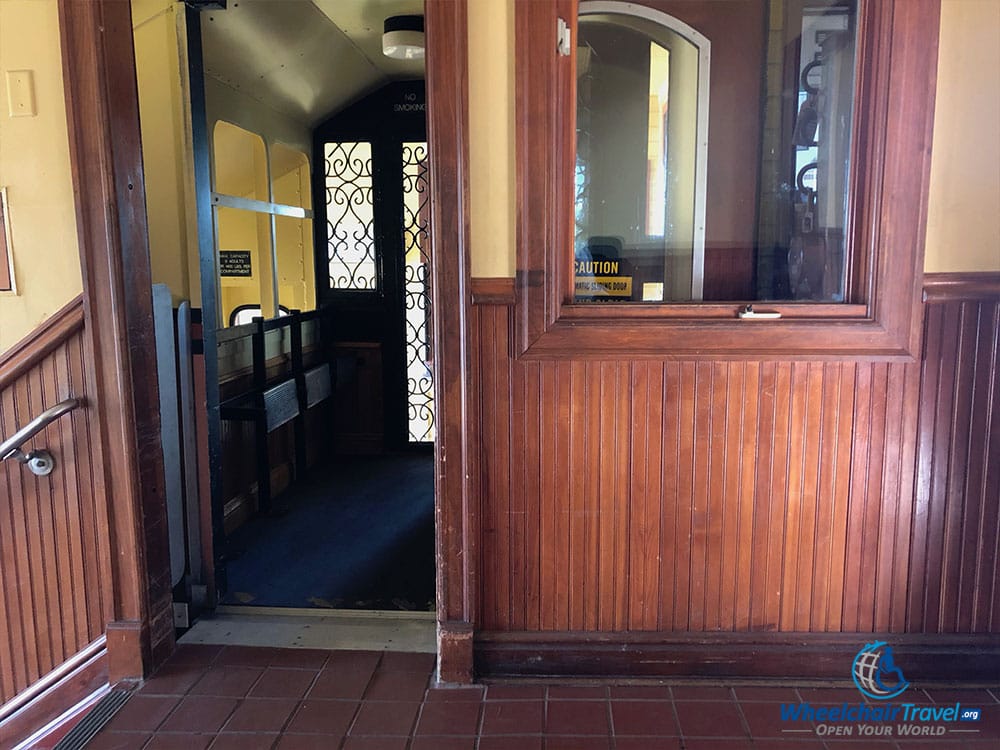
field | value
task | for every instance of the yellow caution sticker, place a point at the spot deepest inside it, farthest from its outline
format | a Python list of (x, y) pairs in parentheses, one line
[(604, 286)]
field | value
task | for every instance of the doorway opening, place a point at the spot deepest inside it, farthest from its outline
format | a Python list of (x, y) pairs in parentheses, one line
[(315, 309)]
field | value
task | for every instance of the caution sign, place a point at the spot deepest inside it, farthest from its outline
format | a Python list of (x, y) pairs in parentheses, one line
[(598, 279)]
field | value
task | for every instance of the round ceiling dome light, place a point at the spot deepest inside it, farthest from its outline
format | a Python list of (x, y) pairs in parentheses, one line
[(403, 37)]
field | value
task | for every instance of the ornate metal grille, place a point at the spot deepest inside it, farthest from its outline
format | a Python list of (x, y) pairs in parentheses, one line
[(419, 381), (350, 212)]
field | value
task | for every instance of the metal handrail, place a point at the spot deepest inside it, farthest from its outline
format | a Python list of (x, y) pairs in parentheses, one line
[(39, 461)]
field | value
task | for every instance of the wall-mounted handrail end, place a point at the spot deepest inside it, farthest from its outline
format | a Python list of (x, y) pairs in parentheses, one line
[(40, 462)]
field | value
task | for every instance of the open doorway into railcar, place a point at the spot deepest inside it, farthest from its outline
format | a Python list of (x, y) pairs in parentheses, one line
[(323, 487)]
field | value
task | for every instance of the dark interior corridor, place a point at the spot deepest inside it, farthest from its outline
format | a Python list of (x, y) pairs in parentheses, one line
[(357, 534)]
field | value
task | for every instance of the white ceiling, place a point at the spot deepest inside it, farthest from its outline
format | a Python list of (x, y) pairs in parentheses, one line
[(304, 58)]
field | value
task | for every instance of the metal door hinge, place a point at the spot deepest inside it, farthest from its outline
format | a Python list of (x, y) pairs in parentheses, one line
[(563, 38), (181, 619)]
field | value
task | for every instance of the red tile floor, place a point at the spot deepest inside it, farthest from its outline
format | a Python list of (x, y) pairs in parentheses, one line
[(239, 698)]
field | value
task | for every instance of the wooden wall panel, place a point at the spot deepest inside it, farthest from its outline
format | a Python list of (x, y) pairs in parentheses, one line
[(746, 496), (53, 530), (955, 586)]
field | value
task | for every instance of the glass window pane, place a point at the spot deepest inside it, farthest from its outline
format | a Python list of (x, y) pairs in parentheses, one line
[(291, 186), (808, 110), (350, 216), (245, 270), (699, 179), (416, 249), (296, 264), (636, 169), (240, 162), (290, 177)]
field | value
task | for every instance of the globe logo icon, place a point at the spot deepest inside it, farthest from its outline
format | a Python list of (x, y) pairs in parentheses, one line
[(875, 672)]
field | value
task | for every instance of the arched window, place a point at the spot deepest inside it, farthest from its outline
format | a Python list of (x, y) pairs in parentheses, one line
[(641, 155)]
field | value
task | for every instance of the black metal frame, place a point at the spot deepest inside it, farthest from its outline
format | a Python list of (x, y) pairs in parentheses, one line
[(375, 315), (209, 291)]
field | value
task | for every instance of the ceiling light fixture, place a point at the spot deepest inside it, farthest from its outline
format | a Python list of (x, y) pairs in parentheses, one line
[(403, 37)]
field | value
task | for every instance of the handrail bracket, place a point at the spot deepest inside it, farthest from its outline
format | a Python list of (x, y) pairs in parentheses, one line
[(40, 462)]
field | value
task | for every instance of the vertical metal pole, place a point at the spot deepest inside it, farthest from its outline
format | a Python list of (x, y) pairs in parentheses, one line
[(209, 286)]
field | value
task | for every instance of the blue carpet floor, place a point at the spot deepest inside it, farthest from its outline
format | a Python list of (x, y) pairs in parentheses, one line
[(357, 534)]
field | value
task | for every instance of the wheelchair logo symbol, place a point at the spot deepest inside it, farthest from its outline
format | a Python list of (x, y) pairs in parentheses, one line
[(875, 672)]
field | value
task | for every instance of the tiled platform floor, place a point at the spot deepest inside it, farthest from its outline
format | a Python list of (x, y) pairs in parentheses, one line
[(242, 698)]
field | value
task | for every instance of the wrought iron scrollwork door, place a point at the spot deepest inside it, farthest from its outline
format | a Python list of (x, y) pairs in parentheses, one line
[(417, 301), (373, 260)]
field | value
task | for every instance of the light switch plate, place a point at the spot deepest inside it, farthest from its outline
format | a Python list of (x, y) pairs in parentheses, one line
[(21, 93)]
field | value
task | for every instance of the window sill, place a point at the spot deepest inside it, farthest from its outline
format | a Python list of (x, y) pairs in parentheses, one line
[(718, 338), (710, 311)]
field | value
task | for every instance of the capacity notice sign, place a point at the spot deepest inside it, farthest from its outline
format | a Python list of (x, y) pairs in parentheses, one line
[(235, 263)]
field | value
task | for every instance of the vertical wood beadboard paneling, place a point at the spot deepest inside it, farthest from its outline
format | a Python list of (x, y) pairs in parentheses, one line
[(742, 495), (954, 579), (52, 603)]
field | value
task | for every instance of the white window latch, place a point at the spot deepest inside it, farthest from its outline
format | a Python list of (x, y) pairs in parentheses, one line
[(562, 38), (748, 313)]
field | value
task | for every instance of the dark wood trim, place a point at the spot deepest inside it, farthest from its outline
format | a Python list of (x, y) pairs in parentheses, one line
[(34, 347), (924, 659), (493, 291), (106, 161), (49, 705), (887, 216), (455, 657), (125, 650), (455, 450), (954, 579), (6, 259), (956, 286)]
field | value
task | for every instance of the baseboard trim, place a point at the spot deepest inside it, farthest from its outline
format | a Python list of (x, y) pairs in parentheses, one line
[(969, 659), (128, 650), (66, 724), (87, 677), (455, 658)]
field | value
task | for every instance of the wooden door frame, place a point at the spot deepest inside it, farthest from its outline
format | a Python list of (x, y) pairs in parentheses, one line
[(455, 454), (102, 113), (106, 158)]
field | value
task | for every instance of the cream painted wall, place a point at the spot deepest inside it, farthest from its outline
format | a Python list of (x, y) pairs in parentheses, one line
[(963, 220), (963, 228), (35, 168), (491, 140)]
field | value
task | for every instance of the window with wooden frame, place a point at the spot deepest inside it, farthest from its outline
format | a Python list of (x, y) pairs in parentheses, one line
[(871, 63)]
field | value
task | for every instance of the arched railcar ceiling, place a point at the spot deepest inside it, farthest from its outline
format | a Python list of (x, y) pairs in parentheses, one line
[(304, 58)]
